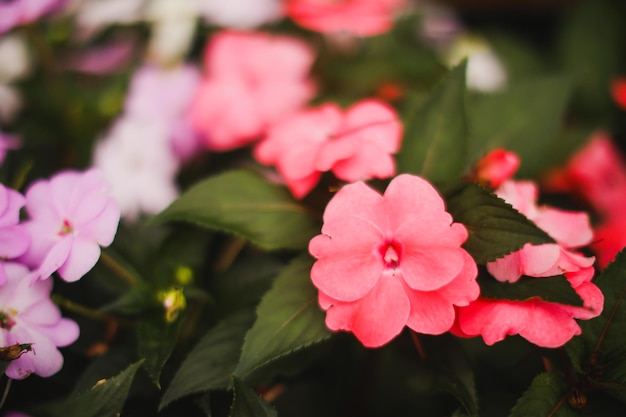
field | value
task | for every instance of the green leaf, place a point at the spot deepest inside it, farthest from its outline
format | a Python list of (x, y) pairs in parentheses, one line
[(105, 399), (524, 119), (600, 352), (211, 362), (554, 289), (288, 319), (546, 397), (156, 339), (245, 204), (495, 227), (248, 404), (435, 139)]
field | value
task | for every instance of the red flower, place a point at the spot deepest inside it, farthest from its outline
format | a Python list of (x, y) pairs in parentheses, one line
[(385, 262)]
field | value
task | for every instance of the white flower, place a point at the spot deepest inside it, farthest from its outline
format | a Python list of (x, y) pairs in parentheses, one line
[(173, 27), (242, 14)]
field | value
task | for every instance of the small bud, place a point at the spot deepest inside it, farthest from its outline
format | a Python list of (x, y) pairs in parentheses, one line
[(496, 167), (173, 301)]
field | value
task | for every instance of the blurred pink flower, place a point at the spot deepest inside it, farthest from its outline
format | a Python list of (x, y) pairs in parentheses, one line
[(543, 323), (597, 173), (357, 17), (70, 216), (496, 167), (7, 143), (252, 81), (18, 12), (618, 91), (27, 315), (385, 262), (569, 229), (356, 144), (610, 238), (14, 238)]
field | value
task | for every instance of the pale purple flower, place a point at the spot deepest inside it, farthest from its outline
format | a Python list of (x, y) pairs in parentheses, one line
[(14, 239), (28, 316), (71, 216), (18, 12), (7, 143)]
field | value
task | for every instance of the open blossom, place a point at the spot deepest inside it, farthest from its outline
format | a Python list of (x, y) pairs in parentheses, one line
[(14, 239), (355, 144), (389, 261), (543, 323), (252, 81), (357, 17), (28, 316), (70, 216)]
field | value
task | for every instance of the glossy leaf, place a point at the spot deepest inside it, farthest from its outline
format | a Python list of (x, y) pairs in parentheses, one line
[(495, 227), (288, 319), (105, 399), (546, 397), (524, 119), (211, 362), (554, 289), (435, 139), (248, 404), (245, 204), (156, 338)]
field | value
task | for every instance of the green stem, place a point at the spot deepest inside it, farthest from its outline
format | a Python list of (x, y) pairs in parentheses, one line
[(118, 269), (81, 309)]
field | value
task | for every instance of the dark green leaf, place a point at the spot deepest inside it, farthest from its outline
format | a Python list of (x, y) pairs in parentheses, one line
[(435, 139), (288, 319), (134, 301), (554, 289), (243, 203), (495, 228), (546, 397), (600, 352), (211, 362), (105, 399), (524, 119), (248, 404), (156, 339)]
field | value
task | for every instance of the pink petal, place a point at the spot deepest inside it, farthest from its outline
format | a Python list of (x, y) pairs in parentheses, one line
[(430, 312), (357, 200), (54, 259), (14, 241), (506, 269), (11, 203), (377, 318), (549, 326), (83, 256), (428, 269), (494, 320), (593, 302), (374, 122), (569, 229), (369, 161), (63, 333), (38, 204), (464, 288), (103, 228), (349, 262), (302, 186), (538, 260)]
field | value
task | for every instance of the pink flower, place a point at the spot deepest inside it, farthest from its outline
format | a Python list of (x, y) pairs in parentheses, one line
[(610, 238), (252, 81), (14, 238), (597, 173), (618, 91), (385, 262), (569, 229), (7, 143), (543, 323), (496, 167), (71, 216), (27, 315), (358, 17), (356, 144), (18, 12)]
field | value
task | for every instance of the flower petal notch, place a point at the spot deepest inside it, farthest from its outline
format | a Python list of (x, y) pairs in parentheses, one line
[(389, 261)]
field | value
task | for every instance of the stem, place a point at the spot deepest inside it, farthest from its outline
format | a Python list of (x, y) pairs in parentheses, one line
[(558, 405), (6, 392), (117, 268), (229, 253), (418, 345), (81, 309)]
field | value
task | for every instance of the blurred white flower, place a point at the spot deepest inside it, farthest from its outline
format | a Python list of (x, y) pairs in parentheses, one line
[(242, 14), (136, 160), (10, 103), (15, 64), (485, 71), (173, 27), (93, 15)]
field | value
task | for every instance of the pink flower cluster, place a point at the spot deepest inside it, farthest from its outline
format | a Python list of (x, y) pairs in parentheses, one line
[(390, 261), (69, 217), (543, 323)]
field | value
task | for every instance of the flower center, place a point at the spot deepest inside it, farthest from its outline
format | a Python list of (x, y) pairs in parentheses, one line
[(390, 253), (6, 320), (66, 228)]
